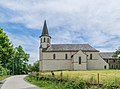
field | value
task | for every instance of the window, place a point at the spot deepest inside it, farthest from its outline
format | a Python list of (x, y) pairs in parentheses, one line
[(53, 56), (41, 40), (114, 61), (71, 56), (107, 60), (48, 40), (105, 67), (79, 60), (44, 39), (66, 57), (90, 56)]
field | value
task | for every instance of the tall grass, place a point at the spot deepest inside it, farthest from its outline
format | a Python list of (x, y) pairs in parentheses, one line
[(4, 77), (109, 79), (89, 76)]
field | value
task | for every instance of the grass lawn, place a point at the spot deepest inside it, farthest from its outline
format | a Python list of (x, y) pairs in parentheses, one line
[(3, 77), (45, 84), (106, 77)]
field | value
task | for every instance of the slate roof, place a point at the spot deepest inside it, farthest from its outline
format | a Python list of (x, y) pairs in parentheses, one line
[(71, 47), (107, 55), (45, 30)]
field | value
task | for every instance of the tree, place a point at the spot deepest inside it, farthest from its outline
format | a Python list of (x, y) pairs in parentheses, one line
[(116, 54), (20, 61), (34, 67), (3, 71), (13, 59), (6, 49)]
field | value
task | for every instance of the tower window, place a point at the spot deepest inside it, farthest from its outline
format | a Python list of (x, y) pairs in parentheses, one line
[(114, 61), (66, 57), (41, 40), (79, 60), (48, 40), (44, 39), (53, 56), (90, 56)]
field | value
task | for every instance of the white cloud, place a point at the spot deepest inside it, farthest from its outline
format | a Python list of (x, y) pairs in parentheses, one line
[(97, 20), (29, 44)]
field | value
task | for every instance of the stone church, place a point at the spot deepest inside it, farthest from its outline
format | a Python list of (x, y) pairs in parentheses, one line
[(68, 56)]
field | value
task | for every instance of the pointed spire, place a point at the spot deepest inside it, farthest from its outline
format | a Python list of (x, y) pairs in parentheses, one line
[(45, 30)]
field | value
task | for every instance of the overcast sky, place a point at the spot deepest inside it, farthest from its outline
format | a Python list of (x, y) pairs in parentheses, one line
[(96, 22)]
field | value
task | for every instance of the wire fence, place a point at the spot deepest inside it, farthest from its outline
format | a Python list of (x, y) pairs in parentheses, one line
[(96, 79)]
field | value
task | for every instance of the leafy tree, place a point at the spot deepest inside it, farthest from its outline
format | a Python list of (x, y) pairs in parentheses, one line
[(12, 59), (6, 49), (34, 67), (3, 71), (116, 54), (20, 61)]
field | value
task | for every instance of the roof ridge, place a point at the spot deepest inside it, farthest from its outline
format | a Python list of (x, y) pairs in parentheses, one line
[(71, 47), (68, 44), (106, 52)]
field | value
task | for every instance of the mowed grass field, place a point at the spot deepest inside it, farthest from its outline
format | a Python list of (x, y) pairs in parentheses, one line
[(91, 76)]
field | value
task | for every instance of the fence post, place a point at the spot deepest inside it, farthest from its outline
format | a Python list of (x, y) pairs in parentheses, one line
[(98, 78), (61, 74)]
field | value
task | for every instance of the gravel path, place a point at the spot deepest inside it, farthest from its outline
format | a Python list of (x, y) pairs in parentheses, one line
[(18, 82)]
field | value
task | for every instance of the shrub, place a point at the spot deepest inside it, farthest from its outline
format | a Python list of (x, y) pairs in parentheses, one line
[(75, 85), (3, 71)]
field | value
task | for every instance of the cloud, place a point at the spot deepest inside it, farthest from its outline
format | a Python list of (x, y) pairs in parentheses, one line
[(69, 21), (29, 44)]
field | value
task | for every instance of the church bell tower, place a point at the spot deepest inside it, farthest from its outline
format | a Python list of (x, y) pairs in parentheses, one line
[(45, 39)]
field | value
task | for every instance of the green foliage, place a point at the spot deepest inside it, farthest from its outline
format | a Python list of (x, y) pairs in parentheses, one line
[(110, 85), (75, 84), (108, 79), (12, 59), (116, 54), (45, 84), (6, 49), (4, 77), (50, 82), (20, 61), (3, 71), (34, 67)]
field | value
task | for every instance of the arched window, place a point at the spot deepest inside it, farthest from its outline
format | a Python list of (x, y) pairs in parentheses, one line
[(53, 56), (90, 56), (41, 40), (44, 39), (66, 57), (105, 67), (48, 40), (79, 60), (107, 60), (114, 61)]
